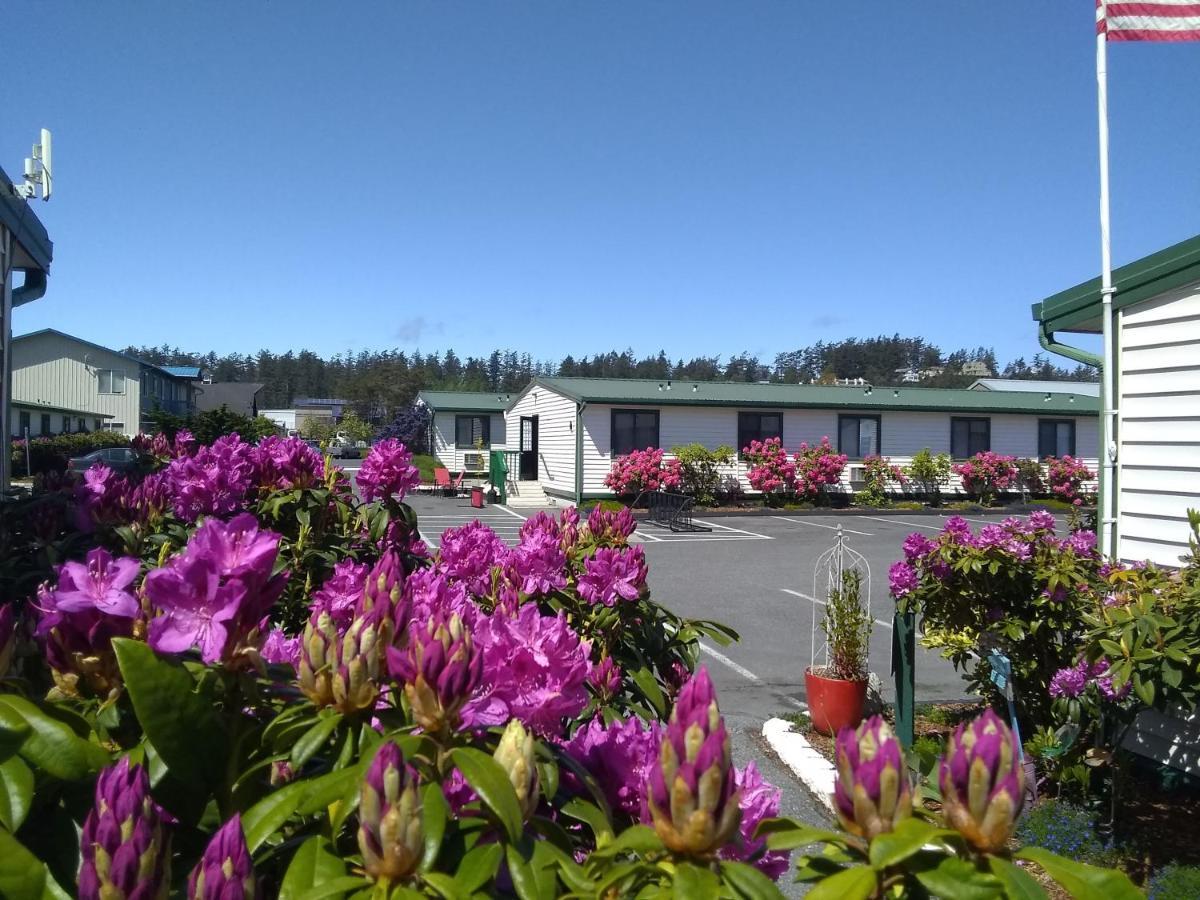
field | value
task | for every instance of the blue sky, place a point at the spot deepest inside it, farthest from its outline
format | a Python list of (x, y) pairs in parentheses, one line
[(573, 177)]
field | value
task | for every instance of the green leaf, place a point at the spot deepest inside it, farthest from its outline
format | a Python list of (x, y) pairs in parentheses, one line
[(855, 883), (956, 879), (443, 885), (314, 864), (22, 875), (649, 687), (899, 844), (52, 746), (524, 880), (1081, 881), (303, 797), (694, 883), (787, 834), (478, 867), (491, 783), (435, 813), (1018, 884), (182, 725), (16, 792), (748, 882), (334, 888), (13, 731), (313, 740), (634, 839)]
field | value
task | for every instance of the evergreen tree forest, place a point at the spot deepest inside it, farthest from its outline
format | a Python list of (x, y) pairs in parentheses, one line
[(378, 383)]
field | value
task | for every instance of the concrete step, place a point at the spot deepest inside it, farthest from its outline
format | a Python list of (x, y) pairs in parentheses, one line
[(527, 493)]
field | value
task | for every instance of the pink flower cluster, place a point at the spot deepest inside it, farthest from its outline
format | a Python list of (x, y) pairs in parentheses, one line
[(987, 474), (214, 481), (878, 471), (387, 472), (287, 463), (812, 469), (643, 470), (1074, 680), (1066, 476), (771, 470), (817, 467), (162, 448)]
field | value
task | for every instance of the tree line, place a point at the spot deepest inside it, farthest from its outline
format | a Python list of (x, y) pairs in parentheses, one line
[(380, 382)]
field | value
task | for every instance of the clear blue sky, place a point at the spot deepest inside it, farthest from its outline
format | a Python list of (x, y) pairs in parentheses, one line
[(574, 177)]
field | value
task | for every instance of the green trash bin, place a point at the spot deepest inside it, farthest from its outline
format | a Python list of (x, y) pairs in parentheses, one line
[(498, 474)]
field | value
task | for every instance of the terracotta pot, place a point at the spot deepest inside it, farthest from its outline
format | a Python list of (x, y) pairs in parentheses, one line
[(834, 704)]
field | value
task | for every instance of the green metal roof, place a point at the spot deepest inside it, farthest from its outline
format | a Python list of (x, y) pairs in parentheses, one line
[(465, 401), (639, 392), (46, 407), (1078, 308)]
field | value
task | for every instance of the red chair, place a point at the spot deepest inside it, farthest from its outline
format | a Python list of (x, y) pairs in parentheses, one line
[(456, 489), (441, 481)]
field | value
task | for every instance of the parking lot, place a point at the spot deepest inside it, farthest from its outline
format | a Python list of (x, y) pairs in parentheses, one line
[(756, 574)]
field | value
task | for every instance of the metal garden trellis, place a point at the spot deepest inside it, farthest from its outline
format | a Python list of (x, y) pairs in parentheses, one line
[(831, 564)]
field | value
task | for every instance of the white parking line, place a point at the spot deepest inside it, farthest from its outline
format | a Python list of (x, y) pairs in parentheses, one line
[(802, 596), (511, 513), (821, 525), (905, 524), (750, 676), (646, 537), (765, 537), (980, 521)]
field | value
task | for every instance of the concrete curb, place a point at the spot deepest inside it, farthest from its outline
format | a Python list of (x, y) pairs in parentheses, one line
[(815, 772), (825, 511)]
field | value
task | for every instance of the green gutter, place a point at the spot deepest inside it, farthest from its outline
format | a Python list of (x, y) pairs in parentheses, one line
[(1046, 339)]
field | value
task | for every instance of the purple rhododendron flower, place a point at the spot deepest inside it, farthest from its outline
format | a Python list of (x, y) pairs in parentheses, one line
[(429, 591), (69, 638), (1069, 682), (1042, 520), (759, 800), (213, 482), (387, 472), (101, 584), (536, 564), (196, 608), (340, 593), (535, 668), (991, 536), (903, 579), (468, 554), (279, 649), (957, 528), (288, 463), (619, 757), (542, 522), (917, 546), (239, 548), (608, 527), (611, 575), (1082, 542)]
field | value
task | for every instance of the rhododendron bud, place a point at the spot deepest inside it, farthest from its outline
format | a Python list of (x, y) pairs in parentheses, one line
[(8, 636), (440, 668), (384, 588), (515, 755), (361, 662), (390, 833), (692, 795), (318, 657), (873, 793), (124, 847), (225, 871), (281, 773), (982, 782), (606, 679)]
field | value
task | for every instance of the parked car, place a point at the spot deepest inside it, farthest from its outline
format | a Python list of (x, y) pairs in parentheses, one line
[(119, 459)]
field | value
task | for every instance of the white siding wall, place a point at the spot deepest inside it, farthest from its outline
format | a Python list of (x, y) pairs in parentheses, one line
[(904, 434), (443, 439), (1159, 459), (556, 437), (50, 369)]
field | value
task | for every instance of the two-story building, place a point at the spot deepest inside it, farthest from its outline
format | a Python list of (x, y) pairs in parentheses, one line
[(64, 380)]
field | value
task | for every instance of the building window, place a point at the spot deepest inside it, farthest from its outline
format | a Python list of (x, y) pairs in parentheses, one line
[(858, 436), (112, 381), (114, 426), (23, 423), (66, 424), (45, 423), (755, 426), (1056, 437), (633, 429), (472, 431), (969, 435)]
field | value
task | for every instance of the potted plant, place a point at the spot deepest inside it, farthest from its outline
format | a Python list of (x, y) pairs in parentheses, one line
[(837, 692)]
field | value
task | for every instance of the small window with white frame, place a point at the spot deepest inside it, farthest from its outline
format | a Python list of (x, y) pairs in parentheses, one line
[(114, 426), (111, 381)]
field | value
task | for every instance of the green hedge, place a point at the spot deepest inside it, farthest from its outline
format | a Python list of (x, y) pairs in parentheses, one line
[(50, 454)]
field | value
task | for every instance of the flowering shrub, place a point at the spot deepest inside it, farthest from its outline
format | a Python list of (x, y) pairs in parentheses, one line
[(1066, 475), (643, 470), (883, 850), (1012, 587), (878, 474), (817, 467), (201, 736), (810, 471), (771, 471), (985, 475)]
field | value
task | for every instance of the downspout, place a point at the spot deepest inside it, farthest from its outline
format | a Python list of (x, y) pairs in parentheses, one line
[(579, 408), (1046, 339)]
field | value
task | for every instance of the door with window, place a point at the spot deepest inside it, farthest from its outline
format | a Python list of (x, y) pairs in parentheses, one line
[(529, 448)]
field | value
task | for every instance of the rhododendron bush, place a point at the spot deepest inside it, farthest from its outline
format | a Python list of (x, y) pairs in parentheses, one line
[(1066, 477), (807, 474), (987, 474), (643, 470), (228, 676)]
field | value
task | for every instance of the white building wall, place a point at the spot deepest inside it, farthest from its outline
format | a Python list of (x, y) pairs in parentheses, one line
[(556, 437), (451, 457), (1158, 477), (284, 418), (54, 370), (904, 434)]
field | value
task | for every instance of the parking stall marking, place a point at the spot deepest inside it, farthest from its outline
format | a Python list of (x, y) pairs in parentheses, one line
[(753, 534), (803, 596), (904, 524), (750, 676), (822, 525)]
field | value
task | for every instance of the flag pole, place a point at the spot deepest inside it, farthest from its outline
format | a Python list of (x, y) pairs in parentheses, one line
[(1108, 448)]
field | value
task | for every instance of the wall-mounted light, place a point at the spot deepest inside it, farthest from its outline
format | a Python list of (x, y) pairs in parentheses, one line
[(867, 392), (1071, 399), (895, 393), (695, 387), (1046, 399), (660, 387)]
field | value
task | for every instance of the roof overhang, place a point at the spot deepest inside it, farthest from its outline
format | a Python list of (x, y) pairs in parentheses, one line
[(1078, 309), (32, 247)]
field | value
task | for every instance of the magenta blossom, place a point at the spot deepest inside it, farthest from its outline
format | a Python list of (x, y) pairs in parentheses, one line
[(917, 546), (903, 579), (1070, 682), (608, 527), (101, 584), (619, 757), (196, 608), (341, 592), (1042, 520), (288, 463), (468, 554), (387, 472), (611, 575), (213, 482), (606, 679), (759, 801), (535, 668), (429, 591), (536, 564), (279, 649)]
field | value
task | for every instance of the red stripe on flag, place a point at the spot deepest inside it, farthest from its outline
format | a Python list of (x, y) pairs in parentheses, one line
[(1162, 10), (1144, 34)]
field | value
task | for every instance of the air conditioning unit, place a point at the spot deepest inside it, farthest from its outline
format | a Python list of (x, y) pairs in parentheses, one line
[(475, 462), (856, 472)]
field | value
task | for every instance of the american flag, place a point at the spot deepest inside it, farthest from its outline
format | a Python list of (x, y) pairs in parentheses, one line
[(1164, 20)]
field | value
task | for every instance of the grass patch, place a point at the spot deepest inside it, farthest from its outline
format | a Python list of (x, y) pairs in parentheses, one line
[(425, 464), (606, 505)]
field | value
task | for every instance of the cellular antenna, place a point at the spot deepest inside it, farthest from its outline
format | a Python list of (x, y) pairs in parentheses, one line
[(38, 170)]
